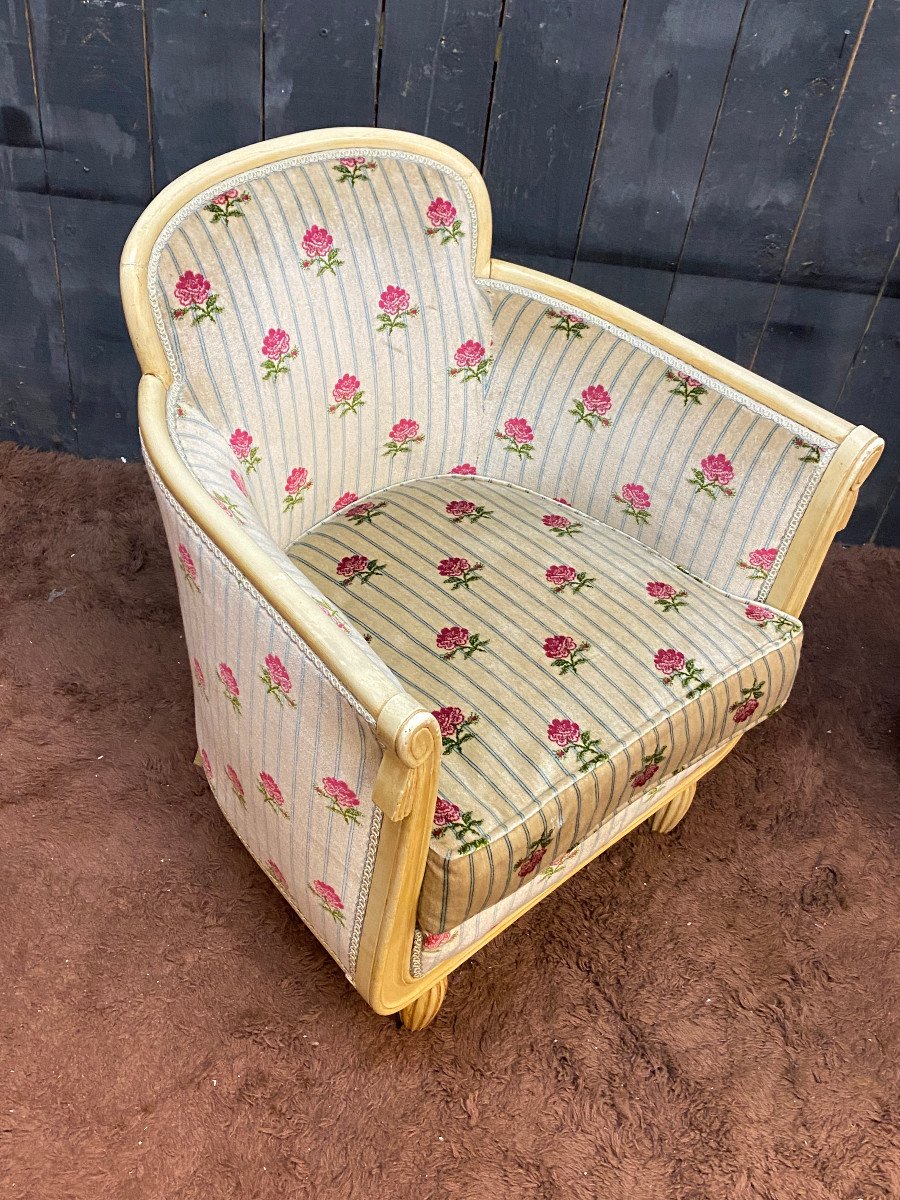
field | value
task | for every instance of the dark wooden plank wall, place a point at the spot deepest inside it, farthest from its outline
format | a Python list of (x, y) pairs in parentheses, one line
[(728, 167)]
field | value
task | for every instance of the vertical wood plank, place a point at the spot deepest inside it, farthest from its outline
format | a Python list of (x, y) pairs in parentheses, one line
[(205, 81), (321, 64), (871, 398), (549, 93), (92, 87), (436, 70), (788, 67), (848, 232), (670, 73), (35, 396)]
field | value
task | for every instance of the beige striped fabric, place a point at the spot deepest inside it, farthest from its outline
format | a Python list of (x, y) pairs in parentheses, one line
[(572, 669)]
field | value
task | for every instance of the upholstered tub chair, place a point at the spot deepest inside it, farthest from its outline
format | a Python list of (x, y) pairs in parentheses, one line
[(478, 569)]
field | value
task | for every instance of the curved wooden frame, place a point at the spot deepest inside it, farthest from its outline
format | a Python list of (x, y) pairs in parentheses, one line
[(407, 780)]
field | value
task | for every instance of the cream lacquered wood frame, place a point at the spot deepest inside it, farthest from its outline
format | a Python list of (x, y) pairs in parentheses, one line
[(407, 779)]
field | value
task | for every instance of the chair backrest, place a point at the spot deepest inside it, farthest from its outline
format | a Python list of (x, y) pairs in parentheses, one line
[(321, 311)]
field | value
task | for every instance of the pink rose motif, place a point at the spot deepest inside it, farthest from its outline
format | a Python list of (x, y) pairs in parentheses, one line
[(328, 896), (460, 508), (745, 711), (686, 386), (317, 242), (344, 801), (365, 513), (459, 572), (563, 732), (198, 675), (717, 468), (643, 777), (636, 501), (295, 485), (449, 720), (353, 169), (560, 576), (343, 501), (441, 212), (276, 872), (393, 300), (668, 662), (224, 197), (271, 792), (760, 562), (759, 613), (518, 436), (394, 303), (445, 813), (530, 864), (560, 525), (318, 246), (562, 500), (207, 765), (357, 567), (236, 786), (360, 511), (402, 435), (595, 402), (346, 387), (238, 480), (275, 676), (471, 361), (452, 637), (463, 469), (443, 221), (230, 684), (347, 394), (188, 566), (432, 942), (241, 443), (518, 429), (660, 591), (192, 288), (559, 646), (635, 495), (713, 476), (276, 343)]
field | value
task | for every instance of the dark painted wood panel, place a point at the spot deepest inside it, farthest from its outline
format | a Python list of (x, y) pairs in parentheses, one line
[(872, 397), (436, 70), (548, 100), (788, 66), (93, 96), (888, 530), (205, 81), (670, 74), (321, 64), (35, 398), (21, 149), (849, 229), (89, 237)]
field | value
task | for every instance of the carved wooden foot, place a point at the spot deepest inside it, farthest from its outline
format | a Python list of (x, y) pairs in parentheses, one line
[(424, 1008), (666, 818)]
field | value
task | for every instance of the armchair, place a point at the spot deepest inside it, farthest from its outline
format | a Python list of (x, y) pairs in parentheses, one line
[(478, 569)]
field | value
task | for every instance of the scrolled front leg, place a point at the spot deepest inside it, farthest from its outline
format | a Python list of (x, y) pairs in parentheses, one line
[(424, 1008)]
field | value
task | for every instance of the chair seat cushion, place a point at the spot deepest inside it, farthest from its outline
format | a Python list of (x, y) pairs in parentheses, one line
[(571, 668)]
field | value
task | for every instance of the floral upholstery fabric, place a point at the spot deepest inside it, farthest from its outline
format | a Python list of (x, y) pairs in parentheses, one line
[(290, 759), (577, 408), (570, 667), (324, 318)]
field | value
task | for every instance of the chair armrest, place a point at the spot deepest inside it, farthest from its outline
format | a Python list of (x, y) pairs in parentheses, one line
[(352, 666), (719, 470)]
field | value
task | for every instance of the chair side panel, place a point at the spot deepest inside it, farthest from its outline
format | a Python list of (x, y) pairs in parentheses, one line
[(709, 478), (291, 761)]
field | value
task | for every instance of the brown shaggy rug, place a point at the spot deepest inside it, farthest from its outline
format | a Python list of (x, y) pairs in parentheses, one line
[(709, 1014)]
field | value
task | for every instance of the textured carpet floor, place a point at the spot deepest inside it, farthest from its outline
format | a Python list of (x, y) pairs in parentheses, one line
[(709, 1014)]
